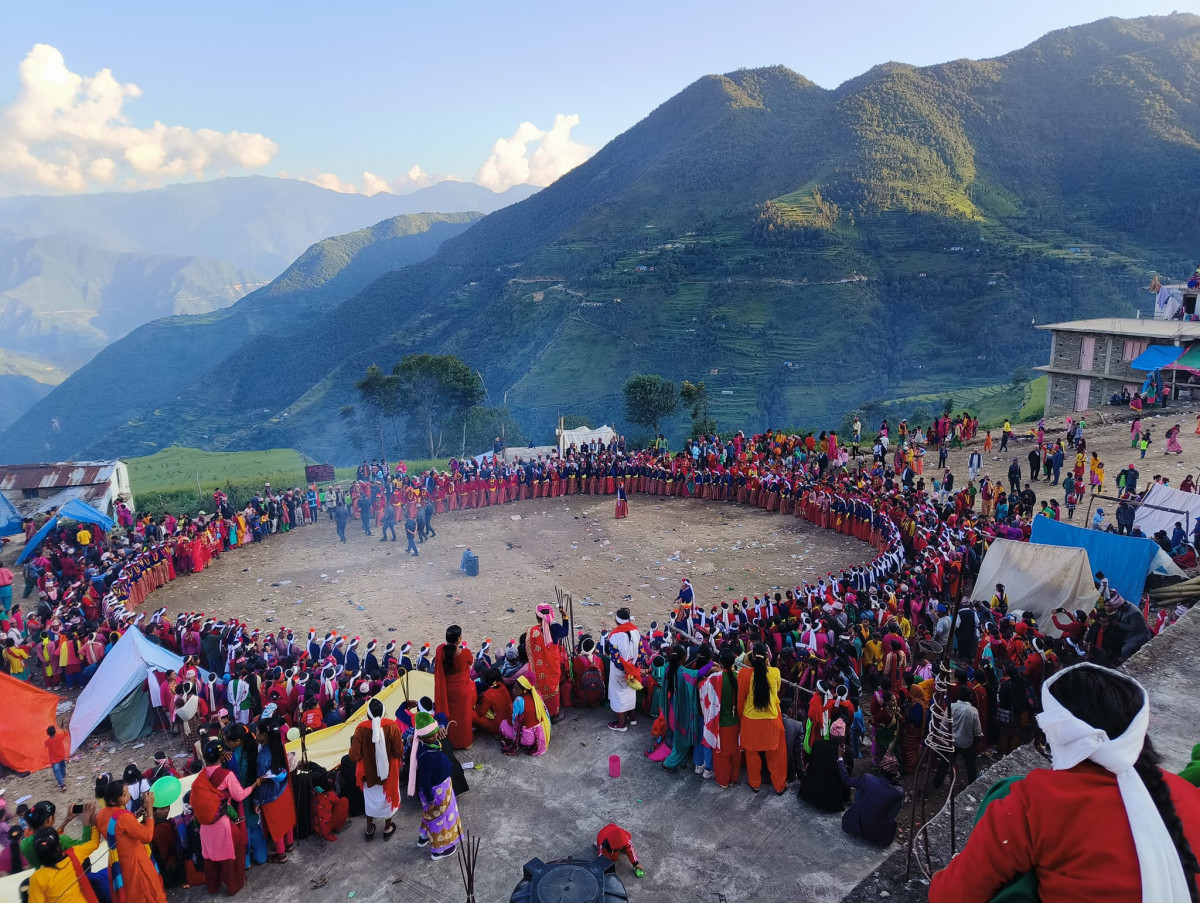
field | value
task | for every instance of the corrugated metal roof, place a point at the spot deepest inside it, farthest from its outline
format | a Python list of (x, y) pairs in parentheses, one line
[(98, 496), (51, 476)]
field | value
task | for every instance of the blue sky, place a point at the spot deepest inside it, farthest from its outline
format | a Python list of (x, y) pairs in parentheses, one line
[(343, 89)]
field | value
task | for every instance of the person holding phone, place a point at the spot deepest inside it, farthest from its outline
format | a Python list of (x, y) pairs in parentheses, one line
[(43, 814), (131, 872)]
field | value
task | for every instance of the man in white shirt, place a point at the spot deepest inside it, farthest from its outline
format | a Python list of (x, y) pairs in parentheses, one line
[(941, 630), (624, 641), (965, 720)]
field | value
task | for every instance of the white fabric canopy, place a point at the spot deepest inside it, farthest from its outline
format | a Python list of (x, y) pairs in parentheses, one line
[(1037, 578), (1151, 521), (127, 664), (579, 436)]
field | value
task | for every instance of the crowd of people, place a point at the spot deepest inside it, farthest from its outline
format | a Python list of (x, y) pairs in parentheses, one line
[(825, 687)]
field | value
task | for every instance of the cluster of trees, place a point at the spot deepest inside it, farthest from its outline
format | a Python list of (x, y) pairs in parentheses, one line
[(440, 400), (650, 399)]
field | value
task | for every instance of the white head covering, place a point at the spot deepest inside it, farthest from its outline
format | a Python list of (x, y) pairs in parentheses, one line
[(1073, 740)]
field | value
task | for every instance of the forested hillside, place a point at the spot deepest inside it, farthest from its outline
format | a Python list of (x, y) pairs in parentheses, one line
[(801, 250)]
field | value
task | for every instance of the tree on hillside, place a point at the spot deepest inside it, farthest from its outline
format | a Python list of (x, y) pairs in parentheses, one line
[(476, 427), (348, 415), (434, 387), (649, 399), (380, 393), (695, 396)]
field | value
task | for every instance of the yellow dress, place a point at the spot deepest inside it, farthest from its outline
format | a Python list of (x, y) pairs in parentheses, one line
[(59, 883)]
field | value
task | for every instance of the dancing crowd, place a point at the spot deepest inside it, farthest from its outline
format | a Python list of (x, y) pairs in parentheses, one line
[(827, 686)]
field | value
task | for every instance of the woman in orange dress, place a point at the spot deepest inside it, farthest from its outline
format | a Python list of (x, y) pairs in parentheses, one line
[(132, 875)]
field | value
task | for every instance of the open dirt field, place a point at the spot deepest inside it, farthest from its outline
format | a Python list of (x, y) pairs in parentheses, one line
[(307, 579), (366, 588)]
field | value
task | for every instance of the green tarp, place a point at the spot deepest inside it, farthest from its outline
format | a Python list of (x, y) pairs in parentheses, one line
[(131, 716)]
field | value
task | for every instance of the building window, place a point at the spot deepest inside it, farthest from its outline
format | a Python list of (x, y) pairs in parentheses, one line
[(1134, 347), (29, 493)]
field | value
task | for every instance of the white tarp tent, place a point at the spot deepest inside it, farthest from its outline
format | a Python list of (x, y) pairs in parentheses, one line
[(582, 435), (1164, 564), (1037, 578), (1151, 520), (127, 665)]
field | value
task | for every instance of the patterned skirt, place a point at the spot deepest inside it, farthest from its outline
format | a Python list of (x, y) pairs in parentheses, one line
[(439, 818)]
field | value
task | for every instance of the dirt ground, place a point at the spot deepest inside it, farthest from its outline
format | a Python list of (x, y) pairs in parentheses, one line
[(367, 588), (1111, 439)]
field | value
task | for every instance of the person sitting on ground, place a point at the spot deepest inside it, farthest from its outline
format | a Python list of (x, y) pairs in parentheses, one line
[(878, 799), (1105, 772)]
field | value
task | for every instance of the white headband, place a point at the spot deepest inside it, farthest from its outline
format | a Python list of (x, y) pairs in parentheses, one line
[(1073, 740)]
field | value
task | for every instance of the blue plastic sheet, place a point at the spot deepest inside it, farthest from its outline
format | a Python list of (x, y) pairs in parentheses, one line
[(1125, 560)]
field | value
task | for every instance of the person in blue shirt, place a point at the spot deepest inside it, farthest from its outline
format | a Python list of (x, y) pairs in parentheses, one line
[(274, 794)]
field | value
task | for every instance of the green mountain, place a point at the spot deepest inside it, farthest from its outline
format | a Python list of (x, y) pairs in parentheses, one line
[(801, 250), (64, 301), (164, 369), (23, 382)]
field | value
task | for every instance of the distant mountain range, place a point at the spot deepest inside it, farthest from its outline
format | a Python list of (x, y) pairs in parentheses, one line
[(799, 249), (78, 272), (257, 223), (152, 379)]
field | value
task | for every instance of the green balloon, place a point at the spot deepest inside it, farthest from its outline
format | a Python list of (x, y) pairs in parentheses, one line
[(166, 790)]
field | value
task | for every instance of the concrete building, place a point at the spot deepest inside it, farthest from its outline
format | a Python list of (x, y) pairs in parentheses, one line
[(1090, 360), (36, 488)]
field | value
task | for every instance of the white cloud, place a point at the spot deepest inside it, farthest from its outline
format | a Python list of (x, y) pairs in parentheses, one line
[(530, 156), (330, 181), (533, 155), (374, 184), (67, 132)]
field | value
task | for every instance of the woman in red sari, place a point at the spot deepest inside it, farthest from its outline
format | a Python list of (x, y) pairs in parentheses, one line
[(453, 688), (545, 658)]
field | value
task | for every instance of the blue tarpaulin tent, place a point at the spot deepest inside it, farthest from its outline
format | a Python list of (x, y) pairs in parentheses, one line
[(85, 514), (10, 520), (1125, 560), (1156, 357), (72, 510)]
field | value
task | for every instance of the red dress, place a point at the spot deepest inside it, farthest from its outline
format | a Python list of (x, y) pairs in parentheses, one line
[(454, 695), (1048, 825)]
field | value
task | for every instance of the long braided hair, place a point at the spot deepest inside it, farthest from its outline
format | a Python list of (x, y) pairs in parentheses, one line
[(761, 689), (1108, 701)]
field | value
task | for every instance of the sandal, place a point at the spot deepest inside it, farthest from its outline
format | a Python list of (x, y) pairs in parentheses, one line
[(389, 830), (369, 834)]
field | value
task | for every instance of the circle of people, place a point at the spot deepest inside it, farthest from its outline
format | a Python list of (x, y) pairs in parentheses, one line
[(797, 685)]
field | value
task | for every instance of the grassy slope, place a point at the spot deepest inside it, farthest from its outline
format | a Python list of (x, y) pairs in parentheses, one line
[(183, 479)]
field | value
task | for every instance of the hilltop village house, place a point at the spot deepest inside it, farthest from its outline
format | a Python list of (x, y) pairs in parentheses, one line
[(1092, 360), (37, 488)]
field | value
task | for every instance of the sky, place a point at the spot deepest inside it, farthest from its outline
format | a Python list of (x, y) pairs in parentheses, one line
[(390, 96)]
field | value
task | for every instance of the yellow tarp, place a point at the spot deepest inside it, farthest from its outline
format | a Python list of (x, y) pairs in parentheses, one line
[(325, 747)]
